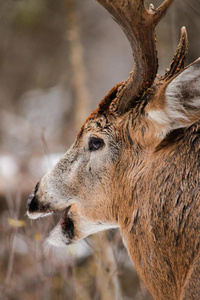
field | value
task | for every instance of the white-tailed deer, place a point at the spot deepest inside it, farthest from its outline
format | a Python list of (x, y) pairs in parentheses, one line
[(135, 164)]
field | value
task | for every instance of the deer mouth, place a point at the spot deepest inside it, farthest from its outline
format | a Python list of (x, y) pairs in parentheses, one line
[(58, 213), (37, 215), (67, 225), (63, 233)]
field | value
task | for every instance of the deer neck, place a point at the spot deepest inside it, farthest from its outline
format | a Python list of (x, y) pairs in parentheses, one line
[(155, 221)]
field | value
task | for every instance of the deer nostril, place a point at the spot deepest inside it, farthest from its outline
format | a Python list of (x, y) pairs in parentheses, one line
[(30, 199), (32, 202)]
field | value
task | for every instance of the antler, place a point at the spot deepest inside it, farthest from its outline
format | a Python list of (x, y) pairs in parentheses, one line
[(177, 63), (139, 24)]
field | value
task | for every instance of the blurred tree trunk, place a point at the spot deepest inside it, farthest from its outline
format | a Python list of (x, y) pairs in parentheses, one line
[(107, 277), (76, 58)]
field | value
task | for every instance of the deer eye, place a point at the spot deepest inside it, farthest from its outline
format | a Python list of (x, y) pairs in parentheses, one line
[(95, 143)]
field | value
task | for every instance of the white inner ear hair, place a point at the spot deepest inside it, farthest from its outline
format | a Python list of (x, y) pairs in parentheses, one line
[(182, 102)]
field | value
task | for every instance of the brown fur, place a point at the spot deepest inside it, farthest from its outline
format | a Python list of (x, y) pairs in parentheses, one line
[(162, 227)]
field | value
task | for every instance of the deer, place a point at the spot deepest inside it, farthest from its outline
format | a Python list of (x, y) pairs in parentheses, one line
[(135, 164)]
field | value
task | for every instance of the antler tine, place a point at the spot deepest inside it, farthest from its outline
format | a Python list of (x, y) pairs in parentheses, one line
[(177, 63), (161, 10), (139, 24)]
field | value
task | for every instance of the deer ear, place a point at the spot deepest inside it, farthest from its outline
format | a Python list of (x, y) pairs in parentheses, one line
[(181, 106)]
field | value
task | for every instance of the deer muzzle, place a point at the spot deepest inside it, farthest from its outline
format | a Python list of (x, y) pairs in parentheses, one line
[(35, 207)]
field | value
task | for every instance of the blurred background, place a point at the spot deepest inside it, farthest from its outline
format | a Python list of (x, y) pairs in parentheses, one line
[(58, 60)]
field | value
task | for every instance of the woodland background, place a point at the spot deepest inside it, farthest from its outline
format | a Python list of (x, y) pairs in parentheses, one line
[(57, 61)]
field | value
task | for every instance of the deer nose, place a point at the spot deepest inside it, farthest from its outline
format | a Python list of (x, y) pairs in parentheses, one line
[(32, 202)]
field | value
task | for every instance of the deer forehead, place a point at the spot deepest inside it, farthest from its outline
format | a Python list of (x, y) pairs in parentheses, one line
[(98, 125), (98, 122)]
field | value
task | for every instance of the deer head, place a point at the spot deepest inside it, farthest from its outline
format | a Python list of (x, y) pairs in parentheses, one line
[(135, 164)]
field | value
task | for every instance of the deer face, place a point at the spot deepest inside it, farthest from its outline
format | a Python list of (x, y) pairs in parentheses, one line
[(79, 185)]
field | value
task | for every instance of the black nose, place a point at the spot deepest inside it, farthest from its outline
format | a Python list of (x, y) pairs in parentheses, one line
[(32, 202)]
